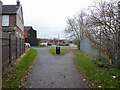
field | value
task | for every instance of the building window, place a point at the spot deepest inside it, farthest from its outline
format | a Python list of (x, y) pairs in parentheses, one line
[(5, 20)]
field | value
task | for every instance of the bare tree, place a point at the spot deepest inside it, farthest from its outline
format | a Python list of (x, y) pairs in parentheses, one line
[(76, 26), (102, 27)]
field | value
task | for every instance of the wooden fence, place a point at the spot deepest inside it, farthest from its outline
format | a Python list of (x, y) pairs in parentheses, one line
[(0, 56), (12, 48)]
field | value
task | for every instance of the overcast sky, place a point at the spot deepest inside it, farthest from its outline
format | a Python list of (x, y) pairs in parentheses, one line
[(49, 17)]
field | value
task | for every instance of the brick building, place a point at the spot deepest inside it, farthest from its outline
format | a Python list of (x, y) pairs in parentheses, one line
[(12, 32), (12, 17), (30, 36)]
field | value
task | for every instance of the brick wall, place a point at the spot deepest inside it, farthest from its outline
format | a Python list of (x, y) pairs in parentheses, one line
[(12, 20)]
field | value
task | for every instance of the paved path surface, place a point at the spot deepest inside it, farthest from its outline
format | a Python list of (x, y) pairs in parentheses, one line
[(54, 72)]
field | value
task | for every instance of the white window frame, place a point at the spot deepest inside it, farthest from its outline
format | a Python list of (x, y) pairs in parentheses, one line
[(5, 20)]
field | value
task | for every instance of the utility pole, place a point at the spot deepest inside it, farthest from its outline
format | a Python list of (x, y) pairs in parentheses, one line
[(58, 40)]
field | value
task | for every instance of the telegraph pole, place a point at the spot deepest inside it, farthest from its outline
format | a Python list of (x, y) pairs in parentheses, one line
[(58, 40)]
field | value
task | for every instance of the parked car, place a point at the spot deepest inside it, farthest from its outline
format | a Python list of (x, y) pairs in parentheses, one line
[(43, 44), (27, 45)]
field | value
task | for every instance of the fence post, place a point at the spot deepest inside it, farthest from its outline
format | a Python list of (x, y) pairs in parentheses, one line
[(0, 44), (9, 48), (19, 47), (24, 46), (100, 47), (16, 47)]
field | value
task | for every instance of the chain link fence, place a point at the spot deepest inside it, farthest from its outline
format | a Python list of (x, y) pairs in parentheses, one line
[(87, 48)]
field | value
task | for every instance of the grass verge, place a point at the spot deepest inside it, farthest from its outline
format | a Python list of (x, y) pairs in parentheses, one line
[(40, 46), (100, 77), (63, 51), (22, 69)]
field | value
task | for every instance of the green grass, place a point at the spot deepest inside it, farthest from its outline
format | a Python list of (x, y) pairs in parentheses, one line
[(40, 46), (99, 76), (21, 69), (63, 51)]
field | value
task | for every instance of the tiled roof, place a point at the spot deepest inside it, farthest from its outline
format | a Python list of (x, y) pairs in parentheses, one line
[(27, 28), (9, 9)]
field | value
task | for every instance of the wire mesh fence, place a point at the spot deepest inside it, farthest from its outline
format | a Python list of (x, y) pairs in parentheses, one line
[(86, 47)]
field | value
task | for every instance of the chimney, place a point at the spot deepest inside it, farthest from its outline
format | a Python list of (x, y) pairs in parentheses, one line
[(1, 2), (1, 5), (18, 2)]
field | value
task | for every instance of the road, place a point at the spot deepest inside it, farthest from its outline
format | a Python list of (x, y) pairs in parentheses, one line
[(55, 72)]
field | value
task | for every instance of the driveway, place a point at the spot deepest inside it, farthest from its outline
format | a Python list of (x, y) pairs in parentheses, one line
[(55, 72)]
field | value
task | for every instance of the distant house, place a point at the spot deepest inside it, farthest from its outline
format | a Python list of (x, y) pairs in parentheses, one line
[(55, 41), (30, 36)]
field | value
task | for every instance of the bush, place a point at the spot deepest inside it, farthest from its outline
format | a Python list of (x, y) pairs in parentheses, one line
[(102, 63)]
